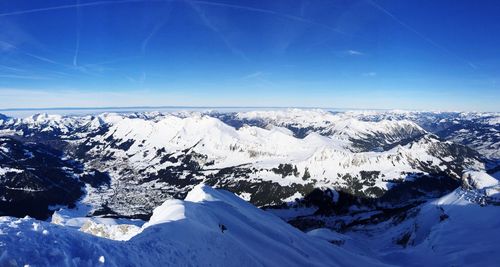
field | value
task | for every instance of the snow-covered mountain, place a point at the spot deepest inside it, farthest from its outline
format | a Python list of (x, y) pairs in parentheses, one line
[(355, 134), (123, 189), (478, 130), (131, 163)]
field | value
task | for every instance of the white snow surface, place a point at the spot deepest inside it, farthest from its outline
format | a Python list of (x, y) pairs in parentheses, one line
[(5, 170), (480, 180), (453, 230), (179, 233)]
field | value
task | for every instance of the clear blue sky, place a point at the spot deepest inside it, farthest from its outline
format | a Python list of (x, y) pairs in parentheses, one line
[(440, 55)]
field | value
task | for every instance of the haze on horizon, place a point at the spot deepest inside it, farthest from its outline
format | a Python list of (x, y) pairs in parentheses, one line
[(368, 54)]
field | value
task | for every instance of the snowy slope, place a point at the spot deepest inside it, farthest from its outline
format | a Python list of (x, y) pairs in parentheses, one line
[(458, 229), (468, 236), (180, 233)]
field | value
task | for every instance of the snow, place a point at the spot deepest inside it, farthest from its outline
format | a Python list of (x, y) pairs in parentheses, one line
[(342, 126), (292, 198), (186, 233), (326, 151), (5, 170), (300, 116), (325, 156), (494, 120), (468, 237), (453, 230), (327, 234), (292, 212), (218, 228), (480, 180), (245, 196), (116, 229), (109, 229)]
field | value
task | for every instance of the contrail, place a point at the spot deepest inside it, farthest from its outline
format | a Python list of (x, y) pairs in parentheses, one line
[(191, 3), (97, 3), (77, 45), (145, 42), (13, 47), (9, 68), (271, 12), (201, 2), (44, 59), (158, 26), (212, 27), (419, 34)]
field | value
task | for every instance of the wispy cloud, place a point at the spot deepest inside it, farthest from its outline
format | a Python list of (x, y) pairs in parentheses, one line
[(12, 69), (354, 53), (24, 77), (6, 47), (257, 74), (141, 78), (42, 98), (370, 74), (472, 65)]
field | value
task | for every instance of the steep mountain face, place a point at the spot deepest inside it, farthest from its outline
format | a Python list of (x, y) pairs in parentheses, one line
[(131, 163)]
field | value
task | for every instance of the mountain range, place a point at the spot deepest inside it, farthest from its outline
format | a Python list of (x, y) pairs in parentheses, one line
[(338, 176)]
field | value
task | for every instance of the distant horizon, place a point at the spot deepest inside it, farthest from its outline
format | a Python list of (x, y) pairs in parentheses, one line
[(215, 108)]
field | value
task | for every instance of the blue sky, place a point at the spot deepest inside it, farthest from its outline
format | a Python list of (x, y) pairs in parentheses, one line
[(440, 55)]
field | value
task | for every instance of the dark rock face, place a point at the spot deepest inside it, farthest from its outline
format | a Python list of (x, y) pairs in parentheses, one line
[(35, 178), (3, 117), (263, 193), (96, 179), (342, 210)]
